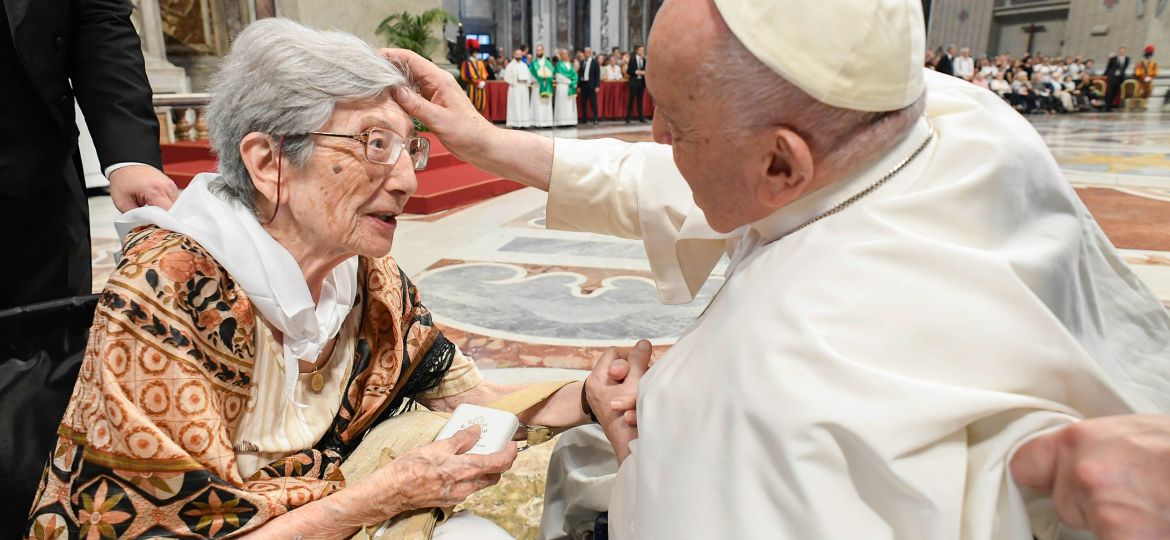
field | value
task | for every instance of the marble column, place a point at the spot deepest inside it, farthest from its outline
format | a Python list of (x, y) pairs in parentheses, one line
[(165, 77), (543, 25), (609, 25)]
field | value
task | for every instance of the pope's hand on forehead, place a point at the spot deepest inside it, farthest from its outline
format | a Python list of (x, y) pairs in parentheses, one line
[(425, 73)]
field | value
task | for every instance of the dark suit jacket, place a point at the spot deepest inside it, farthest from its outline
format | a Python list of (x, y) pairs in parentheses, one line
[(636, 80), (946, 64), (93, 44), (594, 74), (52, 52), (1114, 66)]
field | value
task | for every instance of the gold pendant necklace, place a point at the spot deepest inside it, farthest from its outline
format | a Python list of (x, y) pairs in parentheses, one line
[(317, 381)]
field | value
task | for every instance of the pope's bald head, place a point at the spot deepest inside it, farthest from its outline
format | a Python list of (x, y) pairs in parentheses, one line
[(683, 31)]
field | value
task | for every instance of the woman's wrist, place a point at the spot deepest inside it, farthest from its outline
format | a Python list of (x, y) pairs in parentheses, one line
[(389, 491), (373, 499)]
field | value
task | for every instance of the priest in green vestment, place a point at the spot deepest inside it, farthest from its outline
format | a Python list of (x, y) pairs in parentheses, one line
[(565, 103), (542, 92)]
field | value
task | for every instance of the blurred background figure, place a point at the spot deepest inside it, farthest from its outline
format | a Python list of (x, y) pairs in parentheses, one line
[(636, 71), (475, 75), (565, 106), (612, 71), (1115, 75), (1145, 71), (519, 80), (589, 77), (542, 89)]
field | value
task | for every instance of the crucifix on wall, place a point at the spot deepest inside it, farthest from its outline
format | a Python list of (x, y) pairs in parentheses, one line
[(1032, 29)]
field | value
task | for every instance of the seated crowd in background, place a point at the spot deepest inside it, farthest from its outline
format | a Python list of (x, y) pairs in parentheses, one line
[(1033, 84)]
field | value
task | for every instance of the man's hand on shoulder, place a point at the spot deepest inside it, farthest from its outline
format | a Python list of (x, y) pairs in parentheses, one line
[(1110, 476), (134, 186)]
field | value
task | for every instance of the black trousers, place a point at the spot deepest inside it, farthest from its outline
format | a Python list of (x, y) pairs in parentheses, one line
[(636, 92), (588, 100), (1112, 89), (41, 349), (47, 241)]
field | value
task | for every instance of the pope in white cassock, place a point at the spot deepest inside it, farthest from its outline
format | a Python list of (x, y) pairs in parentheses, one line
[(519, 80), (914, 290)]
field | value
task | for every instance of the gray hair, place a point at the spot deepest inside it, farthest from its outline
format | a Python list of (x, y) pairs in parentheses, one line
[(284, 79), (839, 139)]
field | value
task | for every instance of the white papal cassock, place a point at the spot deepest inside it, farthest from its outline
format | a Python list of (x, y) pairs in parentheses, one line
[(870, 376), (519, 80)]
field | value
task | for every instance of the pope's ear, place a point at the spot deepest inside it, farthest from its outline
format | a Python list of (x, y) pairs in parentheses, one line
[(787, 167)]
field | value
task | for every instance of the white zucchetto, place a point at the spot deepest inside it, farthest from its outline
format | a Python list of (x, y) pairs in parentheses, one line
[(864, 55)]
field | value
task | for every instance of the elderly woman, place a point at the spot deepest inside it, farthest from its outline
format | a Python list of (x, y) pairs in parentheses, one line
[(254, 333)]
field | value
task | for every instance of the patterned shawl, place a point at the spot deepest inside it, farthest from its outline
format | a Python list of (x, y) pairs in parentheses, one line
[(145, 447)]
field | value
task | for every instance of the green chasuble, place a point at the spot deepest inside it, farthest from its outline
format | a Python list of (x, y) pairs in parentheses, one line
[(566, 69), (542, 71)]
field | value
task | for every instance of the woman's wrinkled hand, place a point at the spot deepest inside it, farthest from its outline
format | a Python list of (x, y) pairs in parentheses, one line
[(440, 474)]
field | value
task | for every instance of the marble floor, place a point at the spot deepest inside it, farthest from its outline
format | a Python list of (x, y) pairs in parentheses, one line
[(533, 304)]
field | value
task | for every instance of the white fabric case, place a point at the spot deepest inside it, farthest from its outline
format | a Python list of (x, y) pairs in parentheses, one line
[(496, 427)]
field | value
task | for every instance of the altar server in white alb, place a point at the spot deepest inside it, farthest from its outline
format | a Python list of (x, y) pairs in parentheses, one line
[(519, 80), (914, 291)]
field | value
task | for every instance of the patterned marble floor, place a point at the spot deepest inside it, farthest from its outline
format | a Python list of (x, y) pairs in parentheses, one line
[(533, 304)]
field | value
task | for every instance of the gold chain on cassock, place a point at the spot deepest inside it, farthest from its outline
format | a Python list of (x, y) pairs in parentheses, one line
[(845, 204)]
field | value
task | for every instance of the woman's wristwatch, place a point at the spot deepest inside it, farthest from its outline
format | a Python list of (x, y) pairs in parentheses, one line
[(585, 408)]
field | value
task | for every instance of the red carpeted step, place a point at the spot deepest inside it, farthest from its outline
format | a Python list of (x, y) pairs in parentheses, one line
[(183, 171), (186, 151), (446, 183)]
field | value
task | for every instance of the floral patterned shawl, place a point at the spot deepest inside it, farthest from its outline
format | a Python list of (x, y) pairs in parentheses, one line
[(145, 447)]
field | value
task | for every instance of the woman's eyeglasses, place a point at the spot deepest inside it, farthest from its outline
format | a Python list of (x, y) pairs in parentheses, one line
[(382, 146), (385, 147)]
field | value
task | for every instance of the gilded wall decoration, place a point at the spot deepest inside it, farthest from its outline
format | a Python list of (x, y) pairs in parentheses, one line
[(186, 24)]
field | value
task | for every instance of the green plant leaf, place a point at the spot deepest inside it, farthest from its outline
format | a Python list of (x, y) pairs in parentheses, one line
[(413, 32)]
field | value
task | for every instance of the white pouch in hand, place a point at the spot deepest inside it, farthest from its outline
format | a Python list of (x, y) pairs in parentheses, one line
[(496, 427)]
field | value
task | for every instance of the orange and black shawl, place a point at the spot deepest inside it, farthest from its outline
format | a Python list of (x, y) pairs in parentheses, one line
[(145, 447)]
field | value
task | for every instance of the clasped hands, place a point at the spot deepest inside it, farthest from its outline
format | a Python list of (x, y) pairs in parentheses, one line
[(612, 392)]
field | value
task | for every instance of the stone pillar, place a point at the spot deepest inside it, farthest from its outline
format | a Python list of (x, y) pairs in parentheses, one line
[(610, 24), (164, 76), (542, 26)]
